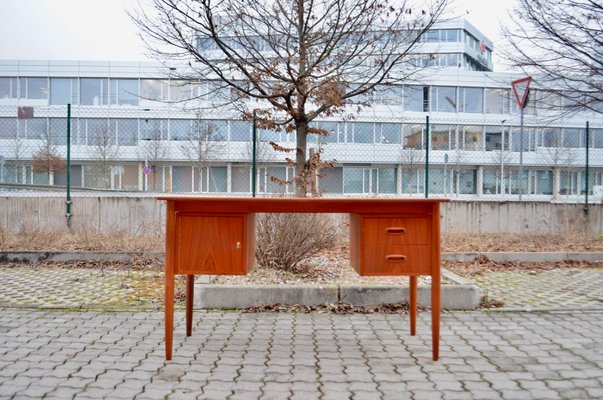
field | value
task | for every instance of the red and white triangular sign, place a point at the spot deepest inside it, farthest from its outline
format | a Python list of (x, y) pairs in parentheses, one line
[(521, 88)]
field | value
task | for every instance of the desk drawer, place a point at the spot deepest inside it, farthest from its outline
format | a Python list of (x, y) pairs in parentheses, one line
[(412, 259), (389, 231)]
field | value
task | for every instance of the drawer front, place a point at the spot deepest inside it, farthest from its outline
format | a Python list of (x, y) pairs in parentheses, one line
[(391, 231), (397, 260), (210, 245)]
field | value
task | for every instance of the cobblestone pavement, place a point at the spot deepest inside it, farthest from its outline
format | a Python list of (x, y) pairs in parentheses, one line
[(93, 288), (81, 288), (231, 355), (558, 288)]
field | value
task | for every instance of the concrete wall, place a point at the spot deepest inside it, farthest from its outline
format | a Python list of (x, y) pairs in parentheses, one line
[(143, 215)]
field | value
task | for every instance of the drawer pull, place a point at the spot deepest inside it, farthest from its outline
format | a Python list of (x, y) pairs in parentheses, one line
[(395, 257), (395, 231)]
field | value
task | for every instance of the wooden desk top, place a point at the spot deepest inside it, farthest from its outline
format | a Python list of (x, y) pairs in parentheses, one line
[(300, 205)]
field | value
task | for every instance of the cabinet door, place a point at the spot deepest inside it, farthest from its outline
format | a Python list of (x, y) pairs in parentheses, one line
[(211, 244)]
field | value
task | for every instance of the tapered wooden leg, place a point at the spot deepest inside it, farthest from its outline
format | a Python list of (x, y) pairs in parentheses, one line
[(190, 292), (169, 314), (412, 302), (435, 316)]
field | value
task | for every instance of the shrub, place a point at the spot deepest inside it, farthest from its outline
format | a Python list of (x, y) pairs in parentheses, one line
[(284, 240)]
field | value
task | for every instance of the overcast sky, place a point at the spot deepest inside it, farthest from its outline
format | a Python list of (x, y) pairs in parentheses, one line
[(101, 29)]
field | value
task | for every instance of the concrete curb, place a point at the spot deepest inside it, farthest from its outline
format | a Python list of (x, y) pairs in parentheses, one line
[(526, 256), (454, 297), (33, 257)]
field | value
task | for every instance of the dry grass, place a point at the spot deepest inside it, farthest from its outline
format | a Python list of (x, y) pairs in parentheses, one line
[(516, 243), (153, 241), (81, 241)]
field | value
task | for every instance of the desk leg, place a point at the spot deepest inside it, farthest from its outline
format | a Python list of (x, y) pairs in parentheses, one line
[(190, 292), (435, 315), (412, 303), (169, 314)]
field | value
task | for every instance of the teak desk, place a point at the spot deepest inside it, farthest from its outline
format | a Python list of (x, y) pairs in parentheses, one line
[(216, 236)]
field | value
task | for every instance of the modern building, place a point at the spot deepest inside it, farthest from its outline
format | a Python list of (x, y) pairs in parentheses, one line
[(137, 127)]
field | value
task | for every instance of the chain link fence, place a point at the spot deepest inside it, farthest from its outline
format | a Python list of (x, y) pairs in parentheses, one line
[(130, 149)]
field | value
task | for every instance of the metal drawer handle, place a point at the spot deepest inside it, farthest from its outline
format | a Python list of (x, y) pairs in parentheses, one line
[(395, 257), (395, 231)]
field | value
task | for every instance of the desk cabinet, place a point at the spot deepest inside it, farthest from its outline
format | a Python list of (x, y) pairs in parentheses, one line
[(214, 244)]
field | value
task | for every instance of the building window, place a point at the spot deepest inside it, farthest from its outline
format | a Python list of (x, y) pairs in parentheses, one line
[(58, 131), (597, 138), (8, 128), (388, 133), (540, 182), (270, 179), (416, 98), (443, 137), (241, 179), (182, 179), (472, 100), (495, 99), (240, 131), (99, 133), (414, 136), (8, 88), (124, 92), (34, 88), (94, 91), (154, 89), (180, 129), (154, 129), (450, 35), (214, 179), (573, 138), (470, 137), (495, 136), (390, 95), (36, 128), (212, 130), (64, 91), (334, 132), (363, 132), (549, 137), (529, 139), (464, 181), (443, 99), (180, 90), (413, 180), (331, 180), (127, 132)]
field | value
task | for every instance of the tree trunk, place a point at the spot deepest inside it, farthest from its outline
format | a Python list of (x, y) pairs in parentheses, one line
[(300, 158)]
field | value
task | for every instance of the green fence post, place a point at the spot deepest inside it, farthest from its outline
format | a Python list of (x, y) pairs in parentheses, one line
[(426, 156), (68, 202), (254, 161), (586, 172)]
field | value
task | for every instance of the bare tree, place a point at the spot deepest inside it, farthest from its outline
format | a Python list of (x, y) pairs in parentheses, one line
[(502, 158), (299, 58), (203, 143), (103, 149), (412, 161), (48, 159), (153, 151), (562, 40)]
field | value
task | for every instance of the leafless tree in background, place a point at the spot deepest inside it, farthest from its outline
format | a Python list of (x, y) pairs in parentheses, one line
[(299, 58), (562, 41), (103, 150)]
